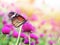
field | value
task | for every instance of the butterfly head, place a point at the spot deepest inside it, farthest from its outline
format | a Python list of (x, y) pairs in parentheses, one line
[(11, 15)]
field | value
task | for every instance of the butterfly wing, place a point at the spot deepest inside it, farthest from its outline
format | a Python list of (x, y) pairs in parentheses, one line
[(18, 21), (14, 21), (21, 19)]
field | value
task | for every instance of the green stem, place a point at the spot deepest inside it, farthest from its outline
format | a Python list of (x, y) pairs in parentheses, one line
[(20, 41), (17, 43), (29, 39)]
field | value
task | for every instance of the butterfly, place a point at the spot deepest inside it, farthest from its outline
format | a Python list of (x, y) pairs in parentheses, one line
[(16, 19)]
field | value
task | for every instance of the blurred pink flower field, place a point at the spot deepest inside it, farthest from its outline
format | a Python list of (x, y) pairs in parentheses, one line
[(42, 26)]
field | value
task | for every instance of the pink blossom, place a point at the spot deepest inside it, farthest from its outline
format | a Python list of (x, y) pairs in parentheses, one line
[(26, 41), (51, 42), (1, 13), (34, 36), (27, 27), (15, 34), (5, 30), (23, 35), (42, 35)]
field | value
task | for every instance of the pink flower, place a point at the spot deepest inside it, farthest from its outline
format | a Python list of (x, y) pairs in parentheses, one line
[(41, 35), (8, 25), (41, 23), (1, 13), (27, 27), (22, 35), (37, 42), (4, 22), (6, 30), (34, 36), (26, 41), (32, 43), (51, 42), (15, 34)]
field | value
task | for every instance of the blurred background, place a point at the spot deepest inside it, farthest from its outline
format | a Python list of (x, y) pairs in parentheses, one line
[(44, 15)]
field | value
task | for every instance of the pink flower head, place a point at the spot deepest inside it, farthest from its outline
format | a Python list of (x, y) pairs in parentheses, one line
[(41, 35), (10, 26), (4, 22), (15, 34), (1, 13), (51, 42), (41, 23), (37, 42), (34, 36), (22, 35), (26, 41), (27, 27), (32, 43), (5, 30)]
